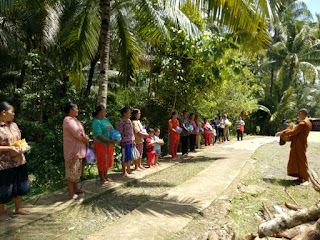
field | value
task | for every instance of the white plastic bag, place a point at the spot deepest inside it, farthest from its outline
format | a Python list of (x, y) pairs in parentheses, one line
[(135, 154)]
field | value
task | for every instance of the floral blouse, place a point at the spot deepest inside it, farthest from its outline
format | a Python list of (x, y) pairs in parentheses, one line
[(126, 130), (10, 133)]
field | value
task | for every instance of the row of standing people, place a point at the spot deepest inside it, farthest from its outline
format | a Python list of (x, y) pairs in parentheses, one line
[(133, 136), (14, 180), (222, 126), (191, 137)]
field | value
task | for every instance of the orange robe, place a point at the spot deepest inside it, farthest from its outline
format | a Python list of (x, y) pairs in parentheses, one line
[(298, 164)]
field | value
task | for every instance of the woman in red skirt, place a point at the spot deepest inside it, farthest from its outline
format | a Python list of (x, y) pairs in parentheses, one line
[(103, 146), (207, 132)]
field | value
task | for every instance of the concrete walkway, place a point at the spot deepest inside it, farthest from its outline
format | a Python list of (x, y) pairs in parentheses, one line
[(171, 212), (44, 205)]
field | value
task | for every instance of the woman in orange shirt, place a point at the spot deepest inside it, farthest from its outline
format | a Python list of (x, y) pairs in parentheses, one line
[(174, 134)]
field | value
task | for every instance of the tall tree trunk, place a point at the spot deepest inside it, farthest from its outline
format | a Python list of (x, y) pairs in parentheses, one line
[(64, 87), (149, 87), (22, 76), (104, 54), (91, 74), (271, 82), (291, 76), (174, 99), (186, 102), (17, 97)]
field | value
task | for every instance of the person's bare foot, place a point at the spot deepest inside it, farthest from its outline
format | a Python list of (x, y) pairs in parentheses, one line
[(109, 180), (75, 197), (138, 169), (130, 172), (105, 182), (306, 183), (21, 211), (4, 217), (126, 175)]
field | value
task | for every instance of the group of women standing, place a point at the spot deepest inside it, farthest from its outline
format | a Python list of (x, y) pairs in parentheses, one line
[(190, 137), (14, 181), (75, 142)]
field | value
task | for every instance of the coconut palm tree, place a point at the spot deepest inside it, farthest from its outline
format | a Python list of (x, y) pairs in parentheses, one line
[(295, 57), (248, 18)]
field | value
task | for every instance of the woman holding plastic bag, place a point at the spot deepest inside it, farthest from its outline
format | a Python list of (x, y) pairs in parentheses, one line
[(174, 134), (139, 134), (75, 142), (104, 141)]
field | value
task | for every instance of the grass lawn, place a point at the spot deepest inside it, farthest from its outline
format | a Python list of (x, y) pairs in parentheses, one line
[(269, 172)]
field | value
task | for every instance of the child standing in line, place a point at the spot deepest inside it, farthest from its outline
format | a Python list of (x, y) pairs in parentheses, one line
[(157, 146), (150, 147)]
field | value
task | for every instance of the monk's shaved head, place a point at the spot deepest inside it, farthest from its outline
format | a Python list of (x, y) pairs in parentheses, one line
[(304, 111)]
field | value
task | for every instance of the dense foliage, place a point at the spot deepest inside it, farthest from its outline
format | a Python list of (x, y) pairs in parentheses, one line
[(161, 60)]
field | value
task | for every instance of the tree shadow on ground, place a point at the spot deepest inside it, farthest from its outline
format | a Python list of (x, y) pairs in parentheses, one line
[(282, 182), (109, 206), (190, 159)]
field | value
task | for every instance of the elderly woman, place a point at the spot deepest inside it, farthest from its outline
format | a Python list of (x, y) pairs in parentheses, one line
[(103, 145), (14, 182), (75, 142)]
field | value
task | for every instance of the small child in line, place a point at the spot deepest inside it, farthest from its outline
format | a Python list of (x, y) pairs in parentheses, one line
[(150, 147), (157, 146)]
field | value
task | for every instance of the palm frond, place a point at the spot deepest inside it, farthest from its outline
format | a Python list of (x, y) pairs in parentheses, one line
[(128, 46), (249, 16), (151, 24), (307, 67), (264, 108), (52, 21), (81, 35), (76, 76), (284, 105), (178, 18), (5, 4)]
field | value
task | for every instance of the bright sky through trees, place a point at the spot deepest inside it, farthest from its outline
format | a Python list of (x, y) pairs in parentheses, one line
[(313, 6)]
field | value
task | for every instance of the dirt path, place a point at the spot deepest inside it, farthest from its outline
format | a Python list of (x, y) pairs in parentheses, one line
[(175, 194), (238, 212), (171, 212)]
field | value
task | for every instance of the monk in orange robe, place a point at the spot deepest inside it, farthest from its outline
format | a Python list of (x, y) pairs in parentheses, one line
[(298, 164)]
